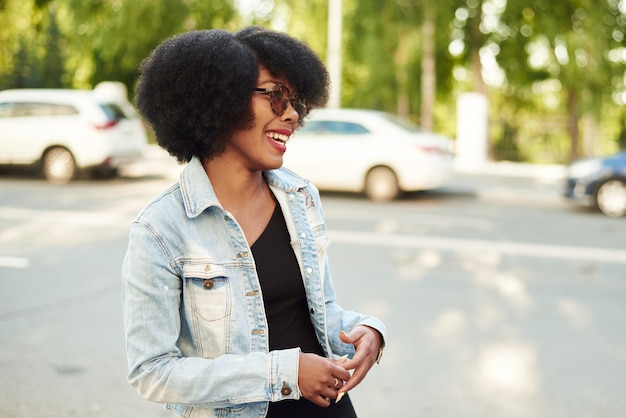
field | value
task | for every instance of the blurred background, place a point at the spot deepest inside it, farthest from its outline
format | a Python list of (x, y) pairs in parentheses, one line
[(501, 298), (553, 72)]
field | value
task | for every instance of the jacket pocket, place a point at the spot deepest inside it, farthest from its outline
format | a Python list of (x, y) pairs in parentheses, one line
[(209, 291)]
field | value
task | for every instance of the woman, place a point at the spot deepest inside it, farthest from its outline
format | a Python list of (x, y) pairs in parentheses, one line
[(229, 306)]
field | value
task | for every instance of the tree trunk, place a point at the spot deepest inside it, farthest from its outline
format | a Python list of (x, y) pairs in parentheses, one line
[(402, 79), (475, 44), (429, 77), (572, 124)]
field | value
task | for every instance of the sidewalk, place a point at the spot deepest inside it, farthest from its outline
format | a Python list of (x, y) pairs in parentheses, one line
[(155, 163), (513, 181)]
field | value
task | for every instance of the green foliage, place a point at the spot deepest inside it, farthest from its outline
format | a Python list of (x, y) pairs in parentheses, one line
[(79, 43), (568, 42), (382, 59), (306, 20), (563, 61), (53, 72), (33, 56)]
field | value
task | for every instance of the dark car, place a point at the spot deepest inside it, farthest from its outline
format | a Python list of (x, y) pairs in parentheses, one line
[(599, 183)]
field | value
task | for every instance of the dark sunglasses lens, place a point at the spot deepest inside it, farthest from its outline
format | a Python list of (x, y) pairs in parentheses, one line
[(278, 100), (300, 107)]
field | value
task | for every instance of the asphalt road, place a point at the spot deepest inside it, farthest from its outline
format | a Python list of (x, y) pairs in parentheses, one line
[(501, 301)]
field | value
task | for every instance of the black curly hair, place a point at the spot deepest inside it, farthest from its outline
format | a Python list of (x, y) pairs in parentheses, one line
[(197, 87)]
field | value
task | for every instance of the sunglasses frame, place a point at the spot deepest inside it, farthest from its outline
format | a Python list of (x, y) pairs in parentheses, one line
[(297, 101)]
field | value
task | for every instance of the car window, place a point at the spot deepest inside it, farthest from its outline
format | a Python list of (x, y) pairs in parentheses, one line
[(333, 127), (6, 109), (59, 109), (113, 111), (42, 109), (345, 128), (310, 127)]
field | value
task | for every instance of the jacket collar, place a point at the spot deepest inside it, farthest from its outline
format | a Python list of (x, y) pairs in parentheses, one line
[(198, 193)]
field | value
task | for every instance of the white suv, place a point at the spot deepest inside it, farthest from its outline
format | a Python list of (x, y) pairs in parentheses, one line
[(67, 131)]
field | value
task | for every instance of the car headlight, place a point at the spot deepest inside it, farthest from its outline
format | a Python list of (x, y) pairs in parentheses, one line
[(584, 168)]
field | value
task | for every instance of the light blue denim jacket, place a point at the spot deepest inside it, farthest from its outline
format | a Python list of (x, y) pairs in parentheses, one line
[(196, 331)]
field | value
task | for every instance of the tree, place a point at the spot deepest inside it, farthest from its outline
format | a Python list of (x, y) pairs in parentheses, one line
[(396, 56), (53, 73), (25, 72), (429, 72), (306, 20), (113, 37), (79, 43), (566, 41), (16, 42), (436, 61)]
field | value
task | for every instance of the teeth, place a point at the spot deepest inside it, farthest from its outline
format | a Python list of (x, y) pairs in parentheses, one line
[(278, 137)]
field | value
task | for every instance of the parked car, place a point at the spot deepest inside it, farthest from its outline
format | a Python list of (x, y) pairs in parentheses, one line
[(599, 183), (368, 151), (65, 131)]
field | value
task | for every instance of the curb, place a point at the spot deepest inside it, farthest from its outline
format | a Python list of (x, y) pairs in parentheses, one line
[(521, 195), (521, 182)]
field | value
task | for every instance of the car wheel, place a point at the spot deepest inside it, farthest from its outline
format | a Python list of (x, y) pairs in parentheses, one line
[(381, 184), (58, 165), (611, 198)]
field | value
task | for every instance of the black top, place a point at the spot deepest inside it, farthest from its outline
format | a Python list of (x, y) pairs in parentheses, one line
[(287, 312), (283, 291)]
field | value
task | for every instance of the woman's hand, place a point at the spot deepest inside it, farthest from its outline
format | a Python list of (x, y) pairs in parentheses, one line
[(319, 378), (367, 342)]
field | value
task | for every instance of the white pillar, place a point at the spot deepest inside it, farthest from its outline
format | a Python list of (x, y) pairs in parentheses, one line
[(472, 132), (334, 52)]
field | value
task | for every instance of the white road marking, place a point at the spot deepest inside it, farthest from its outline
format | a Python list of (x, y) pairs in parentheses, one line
[(469, 222), (14, 262), (66, 217), (480, 246)]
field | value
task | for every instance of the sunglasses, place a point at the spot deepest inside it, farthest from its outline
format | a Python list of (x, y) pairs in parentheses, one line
[(279, 100)]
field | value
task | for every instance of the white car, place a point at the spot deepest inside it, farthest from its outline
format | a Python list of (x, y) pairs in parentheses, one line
[(66, 131), (368, 151)]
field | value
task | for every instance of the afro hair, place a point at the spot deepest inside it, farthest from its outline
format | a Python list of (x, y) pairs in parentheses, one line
[(195, 87)]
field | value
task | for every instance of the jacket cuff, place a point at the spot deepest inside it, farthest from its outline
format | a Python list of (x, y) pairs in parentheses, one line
[(284, 374)]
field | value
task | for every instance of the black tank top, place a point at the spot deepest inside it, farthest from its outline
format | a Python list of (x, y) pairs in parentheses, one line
[(287, 313), (283, 291)]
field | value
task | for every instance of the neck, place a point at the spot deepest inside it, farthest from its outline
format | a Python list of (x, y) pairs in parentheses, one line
[(235, 186), (244, 194)]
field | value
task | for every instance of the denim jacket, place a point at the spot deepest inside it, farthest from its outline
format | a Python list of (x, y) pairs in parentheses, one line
[(196, 331)]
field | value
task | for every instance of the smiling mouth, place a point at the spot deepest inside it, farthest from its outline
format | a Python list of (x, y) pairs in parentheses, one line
[(278, 137)]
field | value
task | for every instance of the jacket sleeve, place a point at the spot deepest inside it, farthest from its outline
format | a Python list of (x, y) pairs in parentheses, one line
[(337, 318), (151, 287)]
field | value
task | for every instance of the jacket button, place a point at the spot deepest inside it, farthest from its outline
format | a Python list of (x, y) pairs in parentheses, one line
[(208, 283), (286, 390)]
